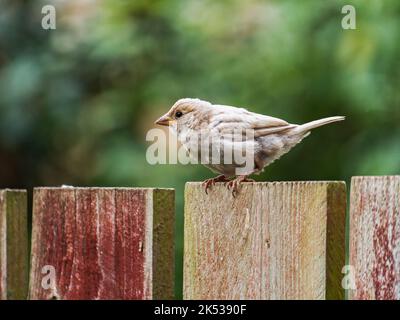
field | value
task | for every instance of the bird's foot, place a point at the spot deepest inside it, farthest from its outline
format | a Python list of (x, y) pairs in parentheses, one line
[(210, 182), (234, 184)]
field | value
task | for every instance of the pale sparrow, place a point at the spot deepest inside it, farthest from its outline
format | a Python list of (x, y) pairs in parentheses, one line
[(269, 137)]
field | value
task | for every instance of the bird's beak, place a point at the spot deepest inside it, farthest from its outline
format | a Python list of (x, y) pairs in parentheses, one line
[(164, 120)]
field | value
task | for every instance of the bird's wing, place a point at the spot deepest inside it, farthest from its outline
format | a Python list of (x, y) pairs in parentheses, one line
[(231, 118), (265, 125)]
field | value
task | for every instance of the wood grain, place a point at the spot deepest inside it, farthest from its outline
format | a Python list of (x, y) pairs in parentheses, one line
[(13, 245), (103, 243), (375, 237), (279, 240)]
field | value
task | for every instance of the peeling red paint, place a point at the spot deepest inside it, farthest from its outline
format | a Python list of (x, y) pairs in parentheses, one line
[(92, 238), (375, 237), (384, 274)]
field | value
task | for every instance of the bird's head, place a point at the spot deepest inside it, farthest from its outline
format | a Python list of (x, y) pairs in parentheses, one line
[(184, 113)]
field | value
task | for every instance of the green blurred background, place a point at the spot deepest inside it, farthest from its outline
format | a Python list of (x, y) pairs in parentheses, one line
[(76, 102)]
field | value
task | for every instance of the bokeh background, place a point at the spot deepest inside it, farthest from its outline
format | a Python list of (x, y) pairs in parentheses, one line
[(76, 102)]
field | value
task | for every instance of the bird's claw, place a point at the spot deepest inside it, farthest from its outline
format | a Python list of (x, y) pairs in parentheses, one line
[(210, 182), (234, 184), (207, 184)]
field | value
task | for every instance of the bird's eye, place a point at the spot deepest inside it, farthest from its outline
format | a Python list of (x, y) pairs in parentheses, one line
[(178, 114)]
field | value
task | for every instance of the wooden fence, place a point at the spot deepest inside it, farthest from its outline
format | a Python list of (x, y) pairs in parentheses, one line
[(280, 240), (13, 244), (375, 237)]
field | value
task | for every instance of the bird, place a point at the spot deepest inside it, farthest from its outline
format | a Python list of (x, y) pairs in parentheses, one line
[(225, 126)]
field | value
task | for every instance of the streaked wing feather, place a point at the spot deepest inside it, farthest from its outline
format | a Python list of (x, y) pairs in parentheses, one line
[(260, 121), (266, 131), (232, 118)]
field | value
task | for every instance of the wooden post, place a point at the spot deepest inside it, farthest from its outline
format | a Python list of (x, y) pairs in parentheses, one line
[(279, 240), (102, 243), (375, 237), (13, 245)]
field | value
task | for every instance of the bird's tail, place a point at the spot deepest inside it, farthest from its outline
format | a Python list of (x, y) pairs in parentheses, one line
[(304, 128)]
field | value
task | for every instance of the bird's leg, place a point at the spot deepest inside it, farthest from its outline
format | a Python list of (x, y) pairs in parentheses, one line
[(210, 182), (235, 183)]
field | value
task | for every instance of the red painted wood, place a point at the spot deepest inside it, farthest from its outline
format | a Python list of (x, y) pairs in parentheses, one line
[(375, 237), (96, 241)]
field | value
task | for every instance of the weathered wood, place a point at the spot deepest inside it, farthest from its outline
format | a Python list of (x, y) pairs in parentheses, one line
[(279, 240), (375, 237), (13, 245), (103, 243)]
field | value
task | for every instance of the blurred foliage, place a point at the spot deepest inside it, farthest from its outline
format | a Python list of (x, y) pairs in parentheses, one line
[(76, 102)]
